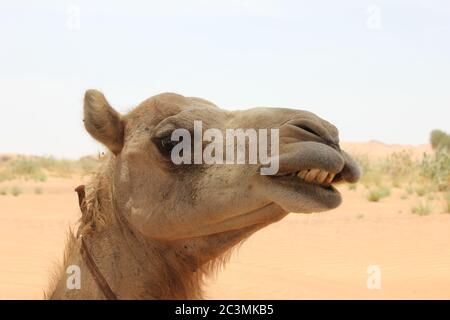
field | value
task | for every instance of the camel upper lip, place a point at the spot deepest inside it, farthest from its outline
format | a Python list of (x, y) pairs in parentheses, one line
[(308, 173), (318, 163), (309, 155)]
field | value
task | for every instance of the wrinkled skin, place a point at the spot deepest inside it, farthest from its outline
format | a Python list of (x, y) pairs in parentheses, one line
[(172, 220)]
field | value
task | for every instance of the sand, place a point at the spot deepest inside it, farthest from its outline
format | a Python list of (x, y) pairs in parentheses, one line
[(318, 256), (326, 255)]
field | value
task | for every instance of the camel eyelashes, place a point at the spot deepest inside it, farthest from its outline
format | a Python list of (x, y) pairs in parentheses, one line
[(165, 145)]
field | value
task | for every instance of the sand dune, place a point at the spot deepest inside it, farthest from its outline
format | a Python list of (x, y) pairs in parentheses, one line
[(375, 149)]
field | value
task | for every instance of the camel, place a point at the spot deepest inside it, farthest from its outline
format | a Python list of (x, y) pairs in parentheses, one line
[(154, 230)]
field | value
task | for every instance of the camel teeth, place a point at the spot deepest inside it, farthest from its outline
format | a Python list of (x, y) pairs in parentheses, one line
[(321, 177), (315, 176), (312, 174), (330, 178), (302, 174)]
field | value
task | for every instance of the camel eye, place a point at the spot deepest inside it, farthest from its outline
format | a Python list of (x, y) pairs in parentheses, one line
[(165, 145)]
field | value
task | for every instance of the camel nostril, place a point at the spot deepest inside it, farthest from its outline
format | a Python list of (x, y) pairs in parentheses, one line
[(307, 129), (315, 131)]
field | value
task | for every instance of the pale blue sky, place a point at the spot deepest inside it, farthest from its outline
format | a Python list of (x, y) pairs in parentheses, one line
[(377, 69)]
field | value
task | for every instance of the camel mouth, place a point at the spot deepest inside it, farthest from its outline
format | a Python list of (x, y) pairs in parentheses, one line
[(316, 180), (308, 175), (305, 195), (317, 177), (315, 164)]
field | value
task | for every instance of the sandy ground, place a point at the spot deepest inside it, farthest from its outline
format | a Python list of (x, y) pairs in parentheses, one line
[(327, 255), (302, 257)]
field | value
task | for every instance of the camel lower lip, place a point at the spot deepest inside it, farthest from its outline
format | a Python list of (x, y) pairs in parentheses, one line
[(296, 195)]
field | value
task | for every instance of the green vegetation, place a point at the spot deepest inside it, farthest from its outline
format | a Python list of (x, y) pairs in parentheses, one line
[(424, 176), (440, 140), (429, 174), (378, 194), (422, 209), (421, 191), (40, 168), (436, 169)]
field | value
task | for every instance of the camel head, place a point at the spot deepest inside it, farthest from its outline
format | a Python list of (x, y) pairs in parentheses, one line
[(223, 203)]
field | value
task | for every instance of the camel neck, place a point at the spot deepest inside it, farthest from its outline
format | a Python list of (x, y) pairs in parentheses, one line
[(136, 268), (133, 267)]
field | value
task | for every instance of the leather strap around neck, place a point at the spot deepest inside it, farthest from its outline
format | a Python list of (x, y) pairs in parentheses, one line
[(89, 260), (95, 271)]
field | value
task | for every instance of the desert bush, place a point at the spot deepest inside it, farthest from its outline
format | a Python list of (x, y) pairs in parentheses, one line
[(23, 167), (374, 196), (58, 167), (398, 164), (436, 169), (3, 192), (38, 169), (422, 209), (378, 194), (399, 168), (16, 191), (440, 140), (431, 173), (27, 168), (421, 191)]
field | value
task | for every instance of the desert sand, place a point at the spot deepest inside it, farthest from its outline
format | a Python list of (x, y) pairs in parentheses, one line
[(318, 256)]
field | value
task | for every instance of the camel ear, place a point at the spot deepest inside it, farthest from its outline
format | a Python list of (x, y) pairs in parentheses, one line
[(102, 121)]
